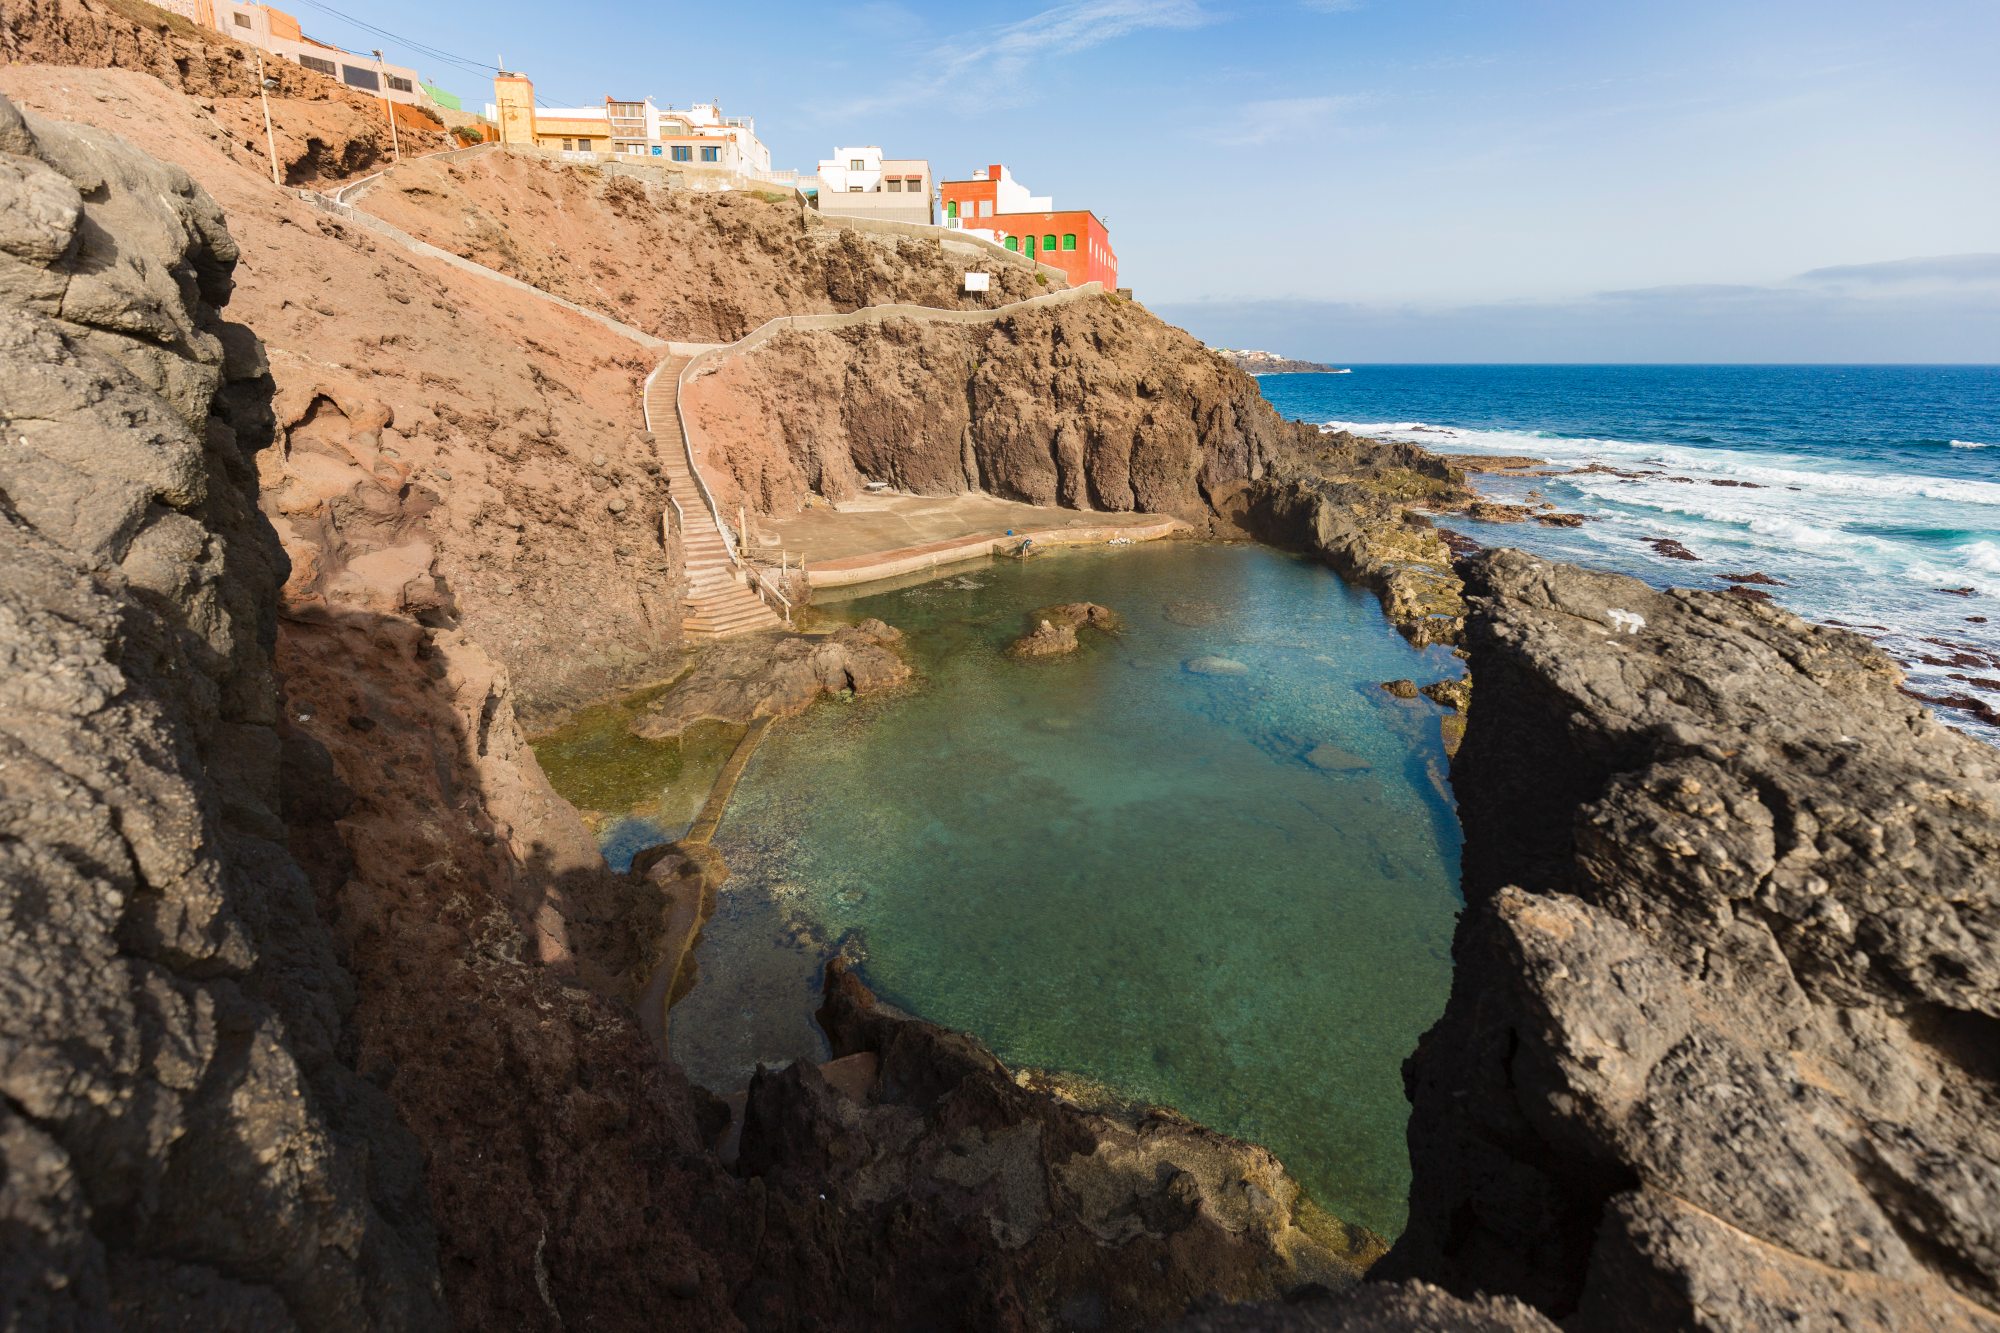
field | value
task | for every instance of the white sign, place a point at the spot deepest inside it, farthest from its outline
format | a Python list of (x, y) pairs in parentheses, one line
[(978, 282)]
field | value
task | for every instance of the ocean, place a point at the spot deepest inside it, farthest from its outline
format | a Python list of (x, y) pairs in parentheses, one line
[(1871, 492)]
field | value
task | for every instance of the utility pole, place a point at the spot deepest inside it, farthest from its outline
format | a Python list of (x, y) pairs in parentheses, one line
[(264, 96), (388, 106)]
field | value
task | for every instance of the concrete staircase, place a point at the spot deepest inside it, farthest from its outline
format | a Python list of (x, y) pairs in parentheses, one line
[(720, 600)]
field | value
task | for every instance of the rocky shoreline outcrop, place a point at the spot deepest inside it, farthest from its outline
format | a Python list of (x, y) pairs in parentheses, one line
[(1721, 1044), (1354, 502)]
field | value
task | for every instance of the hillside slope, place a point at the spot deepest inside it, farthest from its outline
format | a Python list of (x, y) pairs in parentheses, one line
[(685, 266)]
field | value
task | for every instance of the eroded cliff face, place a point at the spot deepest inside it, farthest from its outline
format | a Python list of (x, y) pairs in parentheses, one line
[(692, 267), (181, 1140), (1089, 403), (321, 128), (1723, 1045)]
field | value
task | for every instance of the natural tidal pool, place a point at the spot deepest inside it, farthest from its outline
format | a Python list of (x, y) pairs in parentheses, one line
[(1112, 866)]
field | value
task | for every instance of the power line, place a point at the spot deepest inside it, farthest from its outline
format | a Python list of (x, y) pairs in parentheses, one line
[(465, 63)]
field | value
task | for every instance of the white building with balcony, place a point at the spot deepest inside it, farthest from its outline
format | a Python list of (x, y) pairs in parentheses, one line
[(860, 182)]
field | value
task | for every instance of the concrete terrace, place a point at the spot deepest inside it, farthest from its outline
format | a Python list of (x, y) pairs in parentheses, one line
[(889, 534)]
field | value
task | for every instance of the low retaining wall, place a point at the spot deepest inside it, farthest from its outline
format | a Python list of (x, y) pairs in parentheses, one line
[(914, 559)]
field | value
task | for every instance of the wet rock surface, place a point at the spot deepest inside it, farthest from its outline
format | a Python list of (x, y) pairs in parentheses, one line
[(775, 675), (1721, 1042)]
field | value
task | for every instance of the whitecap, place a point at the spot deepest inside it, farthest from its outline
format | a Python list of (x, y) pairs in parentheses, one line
[(1968, 444)]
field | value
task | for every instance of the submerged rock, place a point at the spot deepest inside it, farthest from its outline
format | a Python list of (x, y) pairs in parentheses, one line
[(1401, 689), (762, 675), (1671, 549), (1332, 759), (960, 1198), (1214, 666)]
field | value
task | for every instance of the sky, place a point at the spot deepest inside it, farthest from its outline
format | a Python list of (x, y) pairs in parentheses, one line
[(1386, 180)]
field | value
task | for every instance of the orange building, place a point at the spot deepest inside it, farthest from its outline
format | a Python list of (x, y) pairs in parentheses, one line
[(992, 203)]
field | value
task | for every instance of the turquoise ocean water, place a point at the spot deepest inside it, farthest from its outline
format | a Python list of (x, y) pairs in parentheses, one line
[(1873, 489)]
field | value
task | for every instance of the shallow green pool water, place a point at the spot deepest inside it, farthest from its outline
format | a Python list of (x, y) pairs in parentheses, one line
[(1112, 866)]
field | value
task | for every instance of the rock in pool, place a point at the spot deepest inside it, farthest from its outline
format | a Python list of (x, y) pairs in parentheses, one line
[(1215, 666), (1454, 694), (1054, 628), (1402, 689)]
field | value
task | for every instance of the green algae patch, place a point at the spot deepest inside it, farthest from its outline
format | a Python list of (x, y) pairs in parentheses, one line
[(633, 791)]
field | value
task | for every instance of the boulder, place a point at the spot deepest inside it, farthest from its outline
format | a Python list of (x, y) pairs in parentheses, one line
[(1054, 628)]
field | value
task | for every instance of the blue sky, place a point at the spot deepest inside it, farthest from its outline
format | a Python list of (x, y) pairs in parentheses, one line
[(1376, 180)]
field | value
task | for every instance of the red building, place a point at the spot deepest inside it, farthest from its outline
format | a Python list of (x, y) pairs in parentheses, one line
[(993, 204)]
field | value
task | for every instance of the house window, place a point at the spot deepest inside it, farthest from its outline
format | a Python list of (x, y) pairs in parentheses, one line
[(986, 208), (951, 209), (711, 154), (914, 184), (1014, 243), (400, 84), (1049, 241), (360, 78), (656, 150), (1069, 240), (683, 153), (895, 186), (854, 189), (242, 20), (325, 67), (856, 164)]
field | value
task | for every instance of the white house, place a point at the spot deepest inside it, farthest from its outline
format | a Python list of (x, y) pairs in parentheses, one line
[(860, 182)]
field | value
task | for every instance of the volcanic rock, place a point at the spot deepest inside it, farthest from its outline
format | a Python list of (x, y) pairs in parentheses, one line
[(1401, 689), (1453, 694), (184, 1140), (775, 675), (1054, 628), (1671, 549), (1720, 1044)]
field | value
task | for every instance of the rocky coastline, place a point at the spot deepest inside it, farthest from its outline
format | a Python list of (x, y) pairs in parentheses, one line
[(1270, 363), (324, 1004)]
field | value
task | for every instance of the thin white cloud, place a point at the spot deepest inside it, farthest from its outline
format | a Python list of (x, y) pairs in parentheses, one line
[(1279, 120), (988, 66)]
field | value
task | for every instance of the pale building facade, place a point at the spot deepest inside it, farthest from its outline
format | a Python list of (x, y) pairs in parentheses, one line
[(860, 182), (271, 29), (696, 137)]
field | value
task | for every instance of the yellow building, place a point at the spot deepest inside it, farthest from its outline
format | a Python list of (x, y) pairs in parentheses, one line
[(514, 107)]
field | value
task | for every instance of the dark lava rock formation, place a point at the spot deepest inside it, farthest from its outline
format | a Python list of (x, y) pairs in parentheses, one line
[(181, 1143), (1723, 1044)]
